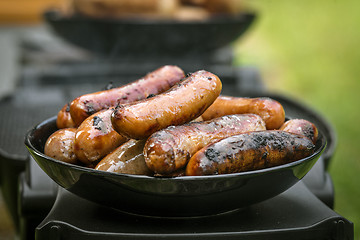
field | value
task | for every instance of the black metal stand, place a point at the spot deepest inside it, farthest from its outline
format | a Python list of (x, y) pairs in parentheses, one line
[(295, 214)]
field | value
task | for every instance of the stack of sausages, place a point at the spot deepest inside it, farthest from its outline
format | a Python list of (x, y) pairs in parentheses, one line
[(168, 124)]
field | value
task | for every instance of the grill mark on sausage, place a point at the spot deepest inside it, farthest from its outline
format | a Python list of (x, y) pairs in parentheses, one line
[(212, 154), (258, 150), (97, 121), (89, 105)]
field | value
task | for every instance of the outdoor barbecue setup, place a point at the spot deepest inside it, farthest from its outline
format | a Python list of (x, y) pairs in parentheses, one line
[(50, 199)]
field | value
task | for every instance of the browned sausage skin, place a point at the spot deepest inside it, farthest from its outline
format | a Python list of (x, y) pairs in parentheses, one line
[(95, 138), (64, 119), (302, 127), (177, 173), (270, 110), (154, 82), (170, 149), (249, 151), (182, 103), (128, 158), (60, 145)]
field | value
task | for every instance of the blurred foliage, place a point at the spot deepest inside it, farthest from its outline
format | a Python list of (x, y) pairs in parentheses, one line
[(310, 50)]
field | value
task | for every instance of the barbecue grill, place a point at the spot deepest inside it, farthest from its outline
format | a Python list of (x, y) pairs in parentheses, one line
[(41, 209)]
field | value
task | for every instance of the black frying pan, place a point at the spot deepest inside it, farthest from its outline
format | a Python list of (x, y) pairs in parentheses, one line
[(145, 37), (169, 197)]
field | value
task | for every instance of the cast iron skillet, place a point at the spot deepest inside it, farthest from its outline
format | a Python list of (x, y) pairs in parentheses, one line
[(169, 197), (146, 37)]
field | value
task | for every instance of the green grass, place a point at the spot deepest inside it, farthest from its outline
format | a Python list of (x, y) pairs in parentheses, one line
[(310, 50)]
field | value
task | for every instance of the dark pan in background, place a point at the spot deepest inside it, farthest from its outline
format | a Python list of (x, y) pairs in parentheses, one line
[(131, 37)]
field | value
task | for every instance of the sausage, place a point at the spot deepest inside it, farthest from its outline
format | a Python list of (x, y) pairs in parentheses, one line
[(95, 138), (170, 149), (270, 110), (249, 151), (180, 104), (153, 83), (64, 119), (60, 145), (302, 127), (127, 158)]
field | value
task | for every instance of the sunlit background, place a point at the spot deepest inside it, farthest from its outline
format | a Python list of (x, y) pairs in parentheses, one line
[(310, 51)]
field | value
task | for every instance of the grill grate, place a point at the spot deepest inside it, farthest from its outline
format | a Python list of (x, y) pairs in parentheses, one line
[(15, 122)]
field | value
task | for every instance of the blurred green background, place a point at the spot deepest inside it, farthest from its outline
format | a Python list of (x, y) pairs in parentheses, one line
[(310, 50)]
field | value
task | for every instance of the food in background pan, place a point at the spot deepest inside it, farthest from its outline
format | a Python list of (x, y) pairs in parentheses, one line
[(125, 8), (216, 6), (154, 9), (232, 134)]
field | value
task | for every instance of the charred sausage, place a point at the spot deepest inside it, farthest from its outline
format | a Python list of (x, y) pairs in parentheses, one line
[(249, 151), (127, 158), (60, 145), (154, 82), (270, 110), (95, 138), (180, 104), (170, 149), (302, 127), (64, 119)]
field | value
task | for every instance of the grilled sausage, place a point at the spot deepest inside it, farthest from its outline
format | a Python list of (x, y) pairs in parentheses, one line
[(170, 149), (270, 110), (127, 158), (60, 145), (95, 138), (302, 127), (64, 119), (154, 82), (180, 104), (249, 151)]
